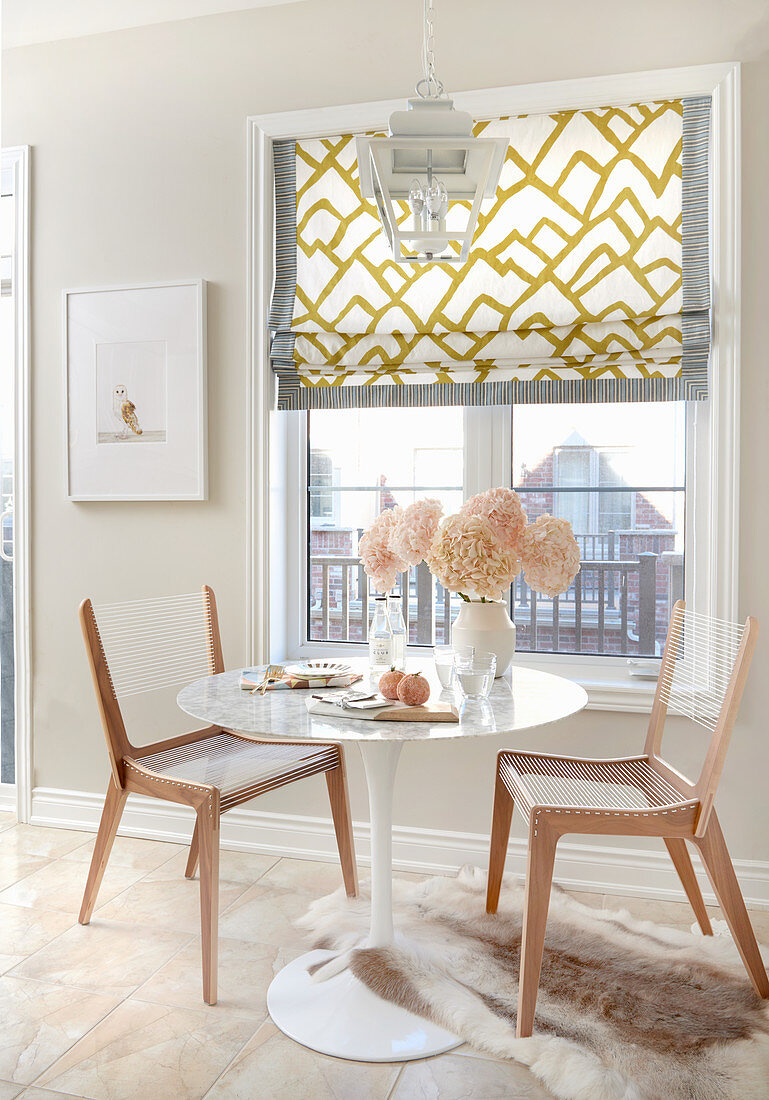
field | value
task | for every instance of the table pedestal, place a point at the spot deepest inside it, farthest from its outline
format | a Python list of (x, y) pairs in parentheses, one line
[(339, 1015)]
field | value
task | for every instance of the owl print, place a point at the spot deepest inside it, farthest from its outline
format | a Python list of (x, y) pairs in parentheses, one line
[(124, 412)]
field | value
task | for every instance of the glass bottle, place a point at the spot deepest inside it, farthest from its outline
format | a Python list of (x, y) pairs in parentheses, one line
[(380, 637), (398, 631)]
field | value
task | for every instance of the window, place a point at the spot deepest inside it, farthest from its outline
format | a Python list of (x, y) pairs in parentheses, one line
[(615, 509), (577, 463), (381, 458), (277, 606), (616, 472), (321, 474)]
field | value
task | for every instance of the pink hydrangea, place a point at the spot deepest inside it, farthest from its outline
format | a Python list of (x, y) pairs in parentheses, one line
[(549, 555), (379, 560), (414, 531), (466, 556), (502, 508)]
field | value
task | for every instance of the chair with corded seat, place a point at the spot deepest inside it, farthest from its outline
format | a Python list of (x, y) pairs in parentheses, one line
[(147, 645), (702, 676)]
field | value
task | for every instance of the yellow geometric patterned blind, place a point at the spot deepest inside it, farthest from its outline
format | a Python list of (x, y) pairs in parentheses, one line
[(587, 278)]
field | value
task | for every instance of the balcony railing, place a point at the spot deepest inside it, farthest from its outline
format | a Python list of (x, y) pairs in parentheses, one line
[(615, 605), (598, 602)]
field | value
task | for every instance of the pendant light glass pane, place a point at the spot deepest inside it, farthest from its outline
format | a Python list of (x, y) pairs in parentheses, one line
[(429, 217)]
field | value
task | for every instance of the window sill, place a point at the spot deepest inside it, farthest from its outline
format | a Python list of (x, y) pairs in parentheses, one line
[(605, 679)]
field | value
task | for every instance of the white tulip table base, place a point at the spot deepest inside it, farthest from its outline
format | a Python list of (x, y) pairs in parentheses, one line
[(342, 1017)]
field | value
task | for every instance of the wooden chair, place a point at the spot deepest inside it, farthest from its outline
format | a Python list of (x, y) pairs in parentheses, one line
[(702, 676), (151, 644)]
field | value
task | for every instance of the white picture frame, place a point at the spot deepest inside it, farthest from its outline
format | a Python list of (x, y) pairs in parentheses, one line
[(135, 392)]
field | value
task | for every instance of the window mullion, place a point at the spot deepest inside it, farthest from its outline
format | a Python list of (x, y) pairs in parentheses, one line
[(488, 451), (488, 448)]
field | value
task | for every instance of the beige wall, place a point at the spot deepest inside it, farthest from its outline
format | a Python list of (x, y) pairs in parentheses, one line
[(139, 175)]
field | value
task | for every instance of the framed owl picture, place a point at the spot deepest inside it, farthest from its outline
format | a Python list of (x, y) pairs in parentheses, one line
[(135, 383)]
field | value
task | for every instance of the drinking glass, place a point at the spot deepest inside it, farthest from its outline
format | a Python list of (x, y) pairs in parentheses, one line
[(475, 672), (444, 664)]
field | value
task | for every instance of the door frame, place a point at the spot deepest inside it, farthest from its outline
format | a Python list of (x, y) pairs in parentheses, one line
[(17, 160)]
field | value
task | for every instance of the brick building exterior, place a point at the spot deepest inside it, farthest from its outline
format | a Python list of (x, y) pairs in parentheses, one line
[(645, 531)]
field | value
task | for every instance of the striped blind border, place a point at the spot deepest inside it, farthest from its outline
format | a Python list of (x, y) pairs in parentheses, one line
[(690, 384), (695, 246), (292, 394), (284, 291), (695, 238)]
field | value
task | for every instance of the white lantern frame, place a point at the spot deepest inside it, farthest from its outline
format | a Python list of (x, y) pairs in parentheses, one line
[(380, 180)]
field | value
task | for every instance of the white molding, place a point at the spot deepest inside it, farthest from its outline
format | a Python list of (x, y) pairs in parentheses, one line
[(724, 403), (555, 95), (8, 797), (718, 469), (18, 159), (259, 390), (290, 531), (592, 867)]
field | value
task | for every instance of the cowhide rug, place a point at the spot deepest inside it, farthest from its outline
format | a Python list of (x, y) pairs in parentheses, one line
[(627, 1010)]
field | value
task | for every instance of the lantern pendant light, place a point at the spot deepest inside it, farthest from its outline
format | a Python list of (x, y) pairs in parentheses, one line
[(429, 177)]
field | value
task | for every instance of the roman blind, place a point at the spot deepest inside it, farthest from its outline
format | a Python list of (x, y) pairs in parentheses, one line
[(588, 277)]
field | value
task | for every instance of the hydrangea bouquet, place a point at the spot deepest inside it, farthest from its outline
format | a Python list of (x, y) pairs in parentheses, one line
[(476, 552)]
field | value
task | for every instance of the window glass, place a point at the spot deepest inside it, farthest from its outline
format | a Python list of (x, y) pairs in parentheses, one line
[(362, 461), (321, 474), (616, 473)]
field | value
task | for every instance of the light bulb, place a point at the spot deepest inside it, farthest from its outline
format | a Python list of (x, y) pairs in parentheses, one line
[(437, 199), (428, 205), (416, 197)]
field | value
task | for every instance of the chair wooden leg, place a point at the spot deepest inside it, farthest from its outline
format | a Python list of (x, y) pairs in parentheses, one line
[(500, 833), (539, 878), (208, 835), (192, 858), (108, 826), (339, 797), (720, 871), (679, 853)]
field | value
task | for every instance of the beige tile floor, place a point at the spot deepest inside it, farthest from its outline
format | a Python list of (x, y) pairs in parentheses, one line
[(114, 1011)]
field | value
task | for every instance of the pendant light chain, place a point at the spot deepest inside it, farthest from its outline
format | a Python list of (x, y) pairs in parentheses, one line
[(429, 87)]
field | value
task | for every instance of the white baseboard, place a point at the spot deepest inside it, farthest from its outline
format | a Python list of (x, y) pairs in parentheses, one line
[(8, 798), (583, 866)]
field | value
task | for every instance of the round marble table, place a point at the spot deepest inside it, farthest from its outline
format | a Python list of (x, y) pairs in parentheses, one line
[(331, 1011)]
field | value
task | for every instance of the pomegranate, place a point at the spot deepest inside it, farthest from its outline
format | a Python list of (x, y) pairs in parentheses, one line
[(389, 681), (413, 690)]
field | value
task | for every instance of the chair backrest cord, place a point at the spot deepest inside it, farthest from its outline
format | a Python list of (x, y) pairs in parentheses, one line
[(156, 643), (703, 674)]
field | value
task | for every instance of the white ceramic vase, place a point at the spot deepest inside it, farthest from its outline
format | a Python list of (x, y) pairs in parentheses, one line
[(488, 628)]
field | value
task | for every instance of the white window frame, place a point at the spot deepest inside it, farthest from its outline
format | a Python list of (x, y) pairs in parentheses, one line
[(276, 525)]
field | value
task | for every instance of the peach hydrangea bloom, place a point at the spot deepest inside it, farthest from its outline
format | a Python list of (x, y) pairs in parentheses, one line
[(379, 560), (549, 555), (466, 556), (502, 507), (414, 531)]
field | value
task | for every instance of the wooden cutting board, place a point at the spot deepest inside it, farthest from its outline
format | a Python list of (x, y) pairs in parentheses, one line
[(427, 712), (394, 712)]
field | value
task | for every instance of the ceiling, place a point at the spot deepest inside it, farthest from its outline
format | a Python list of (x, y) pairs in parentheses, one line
[(28, 21)]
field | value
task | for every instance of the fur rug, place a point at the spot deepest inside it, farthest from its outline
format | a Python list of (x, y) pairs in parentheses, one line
[(627, 1010)]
